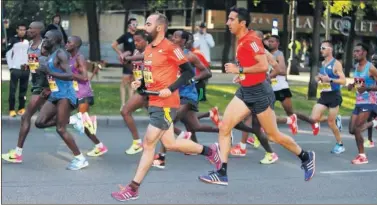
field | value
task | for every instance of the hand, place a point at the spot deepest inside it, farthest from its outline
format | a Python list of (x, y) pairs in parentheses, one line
[(325, 79), (236, 79), (317, 78), (165, 93), (361, 89), (231, 68), (135, 84), (350, 86)]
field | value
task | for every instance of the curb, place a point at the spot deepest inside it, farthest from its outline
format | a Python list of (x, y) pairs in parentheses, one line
[(115, 121)]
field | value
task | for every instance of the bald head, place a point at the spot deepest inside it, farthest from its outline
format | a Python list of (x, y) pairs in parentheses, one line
[(76, 40), (156, 25), (73, 44), (161, 20), (36, 28), (52, 39)]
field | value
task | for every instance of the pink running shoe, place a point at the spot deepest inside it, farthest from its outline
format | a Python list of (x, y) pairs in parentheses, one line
[(125, 194)]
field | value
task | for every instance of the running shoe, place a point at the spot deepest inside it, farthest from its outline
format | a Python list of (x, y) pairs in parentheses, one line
[(360, 159), (79, 125), (309, 166), (214, 115), (316, 127), (97, 151), (12, 156), (338, 122), (368, 144), (293, 125), (269, 158), (21, 112), (238, 151), (256, 142), (250, 141), (88, 124), (125, 194), (158, 162), (338, 149), (77, 164), (214, 158), (12, 113), (214, 177), (135, 148)]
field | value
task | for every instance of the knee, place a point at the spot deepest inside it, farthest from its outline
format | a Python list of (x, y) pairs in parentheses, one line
[(225, 128), (61, 129), (331, 122), (351, 130), (358, 129), (125, 112)]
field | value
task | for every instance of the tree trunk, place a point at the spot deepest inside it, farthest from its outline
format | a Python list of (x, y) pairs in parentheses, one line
[(292, 62), (193, 12), (348, 60), (285, 36), (126, 15), (312, 90), (227, 36), (93, 29)]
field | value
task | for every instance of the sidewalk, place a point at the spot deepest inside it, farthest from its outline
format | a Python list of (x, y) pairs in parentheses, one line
[(114, 75)]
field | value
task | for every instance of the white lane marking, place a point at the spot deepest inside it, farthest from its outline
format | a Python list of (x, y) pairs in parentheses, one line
[(349, 171)]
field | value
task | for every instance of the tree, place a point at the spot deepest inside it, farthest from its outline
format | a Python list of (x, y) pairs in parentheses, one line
[(355, 8), (227, 36), (312, 90), (193, 12), (292, 61), (93, 29)]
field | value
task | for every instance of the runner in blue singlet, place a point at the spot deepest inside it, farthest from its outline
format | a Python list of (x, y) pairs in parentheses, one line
[(62, 100)]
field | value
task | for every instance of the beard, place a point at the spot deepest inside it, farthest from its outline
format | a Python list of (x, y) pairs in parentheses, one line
[(151, 36)]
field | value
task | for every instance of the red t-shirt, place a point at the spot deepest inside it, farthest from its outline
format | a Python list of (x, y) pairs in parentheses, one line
[(202, 59), (161, 66), (248, 47)]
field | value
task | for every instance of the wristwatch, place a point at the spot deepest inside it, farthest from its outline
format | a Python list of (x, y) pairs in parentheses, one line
[(331, 81), (240, 69)]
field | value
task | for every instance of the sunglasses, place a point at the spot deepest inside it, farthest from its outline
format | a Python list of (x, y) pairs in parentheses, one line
[(324, 47)]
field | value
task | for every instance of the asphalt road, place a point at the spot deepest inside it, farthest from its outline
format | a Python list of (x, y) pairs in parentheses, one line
[(42, 177)]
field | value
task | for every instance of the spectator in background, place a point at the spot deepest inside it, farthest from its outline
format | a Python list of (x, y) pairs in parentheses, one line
[(204, 42), (56, 25), (128, 48), (17, 60)]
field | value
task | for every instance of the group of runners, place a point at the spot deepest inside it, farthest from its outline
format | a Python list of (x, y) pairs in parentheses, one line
[(166, 75)]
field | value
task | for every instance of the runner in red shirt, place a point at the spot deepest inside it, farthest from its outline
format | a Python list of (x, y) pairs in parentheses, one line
[(255, 96), (162, 62)]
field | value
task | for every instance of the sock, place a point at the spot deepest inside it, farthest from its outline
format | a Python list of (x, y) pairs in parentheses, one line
[(374, 123), (340, 143), (243, 145), (80, 157), (99, 145), (304, 156), (73, 120), (18, 151), (223, 169), (136, 141), (206, 151), (289, 121), (363, 154), (181, 135), (134, 186)]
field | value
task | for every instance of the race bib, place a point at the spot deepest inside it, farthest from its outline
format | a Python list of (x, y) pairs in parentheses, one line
[(274, 81), (324, 86), (137, 74), (359, 82), (75, 85), (148, 78), (52, 84)]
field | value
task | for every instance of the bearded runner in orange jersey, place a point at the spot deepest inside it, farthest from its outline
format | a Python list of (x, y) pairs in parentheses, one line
[(162, 61)]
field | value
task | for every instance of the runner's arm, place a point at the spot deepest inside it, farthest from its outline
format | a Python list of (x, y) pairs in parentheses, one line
[(204, 74), (338, 68), (81, 66), (260, 67), (373, 73), (137, 57), (186, 74), (276, 69), (64, 65)]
